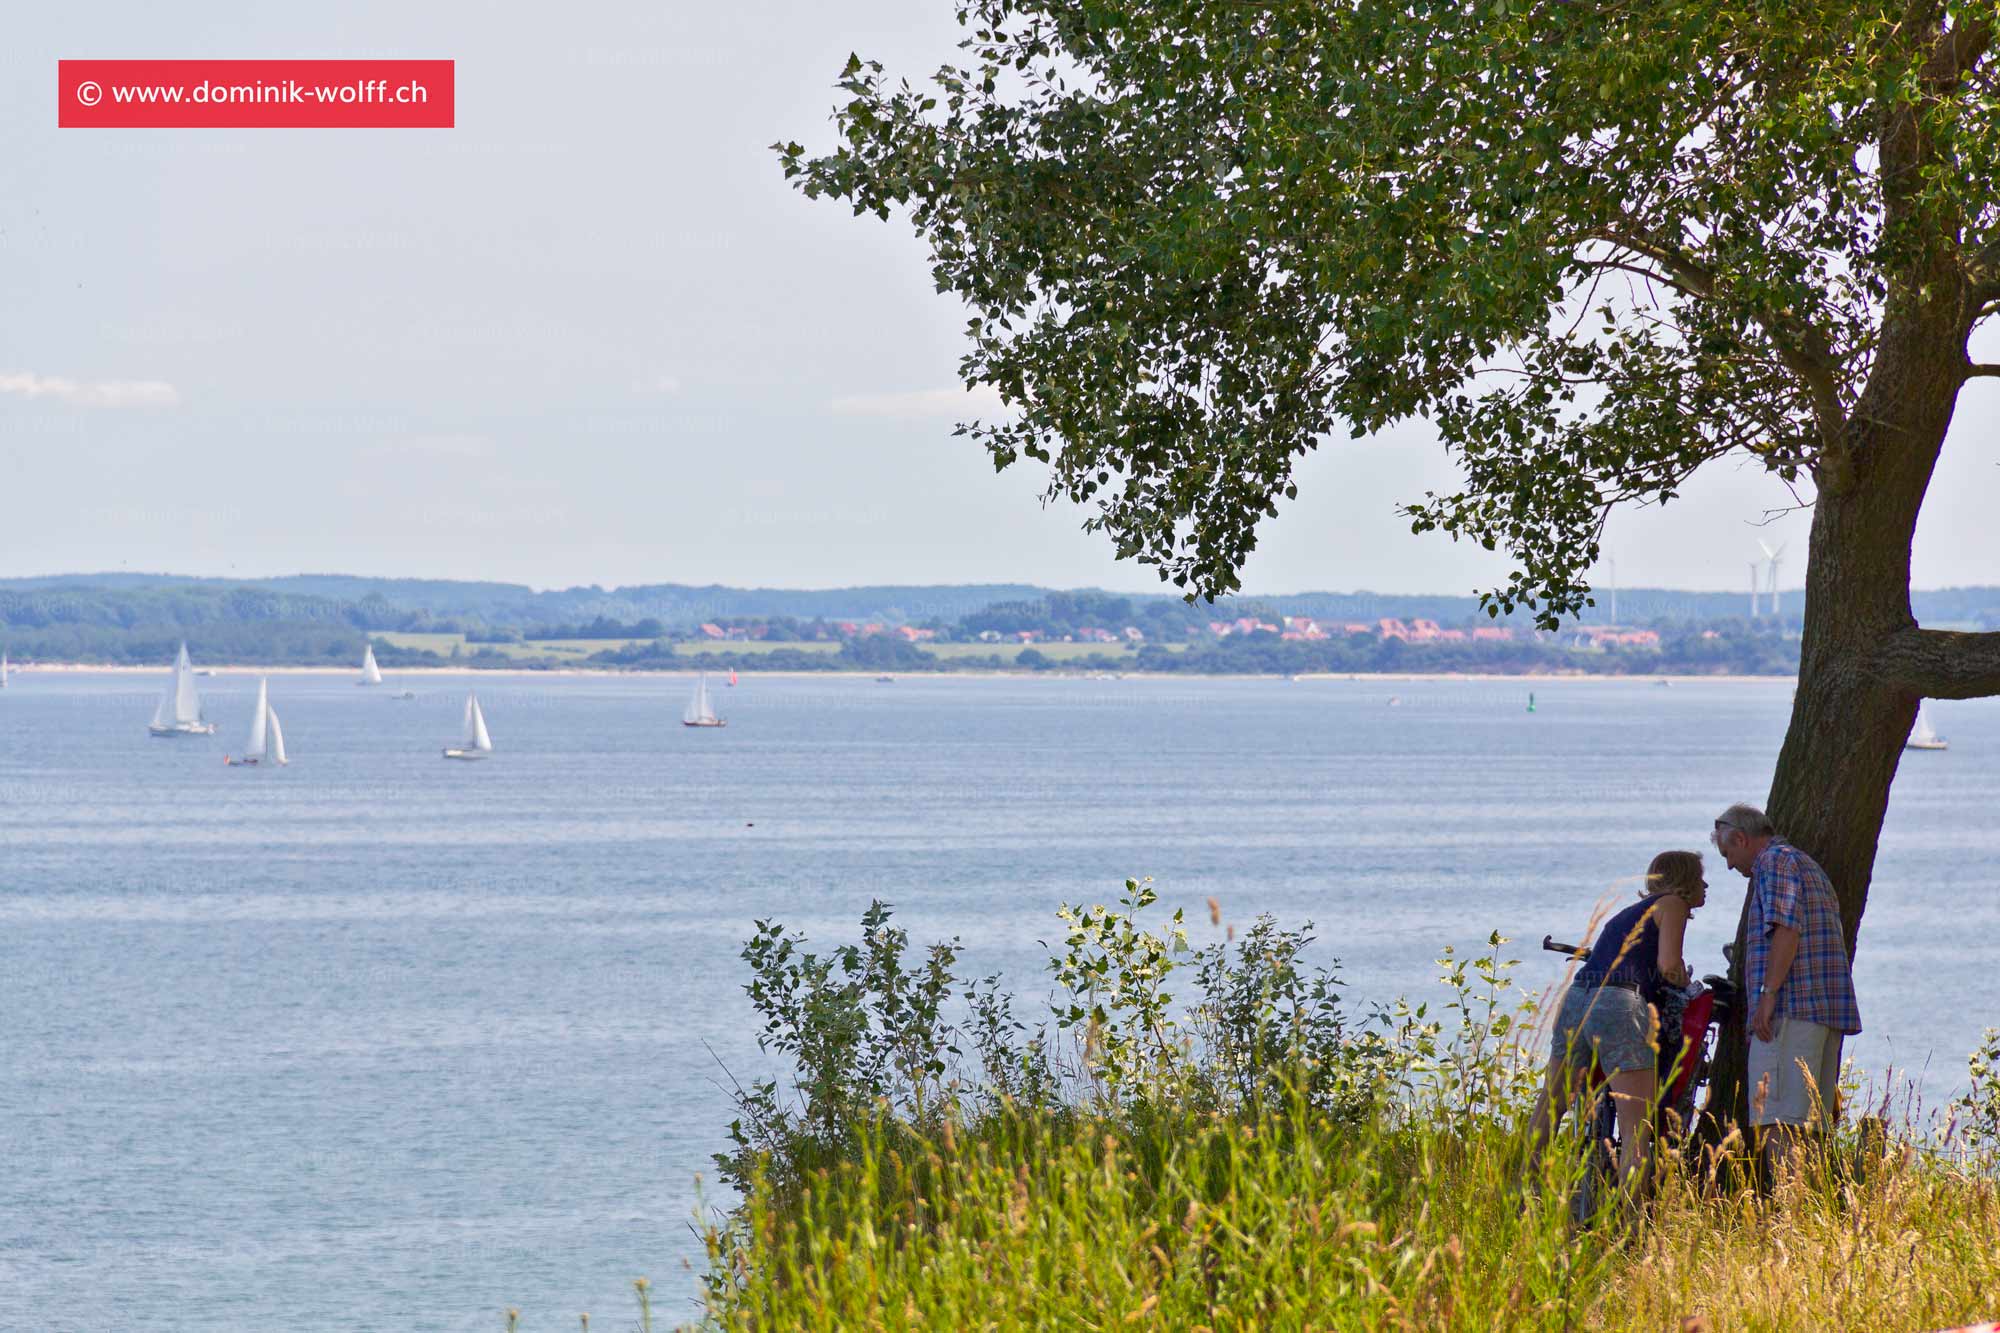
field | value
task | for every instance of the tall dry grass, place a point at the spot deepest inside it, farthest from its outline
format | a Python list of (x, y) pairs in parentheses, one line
[(1261, 1164)]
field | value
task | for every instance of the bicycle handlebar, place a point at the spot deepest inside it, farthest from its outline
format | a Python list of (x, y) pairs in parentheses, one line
[(1554, 945)]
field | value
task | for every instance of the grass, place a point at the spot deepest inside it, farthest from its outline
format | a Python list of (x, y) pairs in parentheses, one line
[(1141, 1181), (442, 644), (747, 647), (436, 643), (1252, 1161), (1040, 1221), (1914, 1246)]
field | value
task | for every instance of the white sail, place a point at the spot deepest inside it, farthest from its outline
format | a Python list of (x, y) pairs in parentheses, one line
[(277, 755), (180, 707), (1923, 731), (259, 724), (370, 673), (475, 735), (3, 671), (187, 702), (698, 709)]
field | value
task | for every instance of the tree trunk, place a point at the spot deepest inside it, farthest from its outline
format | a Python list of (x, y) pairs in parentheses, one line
[(1851, 713)]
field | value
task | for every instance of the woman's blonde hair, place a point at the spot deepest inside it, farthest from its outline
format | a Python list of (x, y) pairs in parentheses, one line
[(1678, 873)]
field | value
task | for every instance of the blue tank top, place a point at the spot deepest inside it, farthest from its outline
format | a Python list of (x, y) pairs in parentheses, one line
[(1627, 949)]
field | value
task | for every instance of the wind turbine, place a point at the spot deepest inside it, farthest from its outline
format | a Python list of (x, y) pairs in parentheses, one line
[(1775, 558)]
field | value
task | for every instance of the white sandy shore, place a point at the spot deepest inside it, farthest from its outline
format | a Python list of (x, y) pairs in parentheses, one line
[(1022, 673)]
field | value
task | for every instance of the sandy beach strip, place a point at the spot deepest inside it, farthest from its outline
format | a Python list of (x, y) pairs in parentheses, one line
[(1020, 673)]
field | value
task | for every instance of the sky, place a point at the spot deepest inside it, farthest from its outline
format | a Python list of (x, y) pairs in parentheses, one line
[(591, 336)]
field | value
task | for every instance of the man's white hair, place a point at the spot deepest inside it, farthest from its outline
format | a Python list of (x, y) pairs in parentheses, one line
[(1747, 820)]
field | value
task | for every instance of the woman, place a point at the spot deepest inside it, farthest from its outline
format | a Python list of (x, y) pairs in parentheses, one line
[(1608, 1015)]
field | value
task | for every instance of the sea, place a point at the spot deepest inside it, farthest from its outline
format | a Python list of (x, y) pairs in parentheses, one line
[(378, 1040)]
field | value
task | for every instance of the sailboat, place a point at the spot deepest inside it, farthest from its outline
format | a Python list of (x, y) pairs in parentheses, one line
[(370, 673), (3, 670), (179, 711), (699, 712), (267, 739), (1923, 736), (476, 744), (732, 678)]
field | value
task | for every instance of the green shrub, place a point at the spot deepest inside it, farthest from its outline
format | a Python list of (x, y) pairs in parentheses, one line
[(1978, 1111), (865, 1026), (877, 1036), (1251, 1156)]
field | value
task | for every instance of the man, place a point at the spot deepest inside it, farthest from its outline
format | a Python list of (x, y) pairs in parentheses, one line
[(1800, 987)]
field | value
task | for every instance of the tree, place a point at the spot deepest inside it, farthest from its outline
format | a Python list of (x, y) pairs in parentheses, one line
[(882, 652), (1596, 245)]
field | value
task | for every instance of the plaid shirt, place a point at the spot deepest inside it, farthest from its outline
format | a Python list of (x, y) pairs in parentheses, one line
[(1787, 888)]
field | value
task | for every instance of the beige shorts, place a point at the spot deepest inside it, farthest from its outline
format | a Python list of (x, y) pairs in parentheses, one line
[(1795, 1078)]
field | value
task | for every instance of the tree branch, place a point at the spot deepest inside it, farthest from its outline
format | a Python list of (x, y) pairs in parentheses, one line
[(1941, 664), (1977, 369), (1957, 52), (1983, 266), (1649, 274), (1800, 343)]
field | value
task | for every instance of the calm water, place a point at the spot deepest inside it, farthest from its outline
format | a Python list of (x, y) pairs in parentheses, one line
[(383, 1041)]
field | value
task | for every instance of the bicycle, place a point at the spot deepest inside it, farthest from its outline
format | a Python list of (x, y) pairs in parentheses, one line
[(1691, 1021)]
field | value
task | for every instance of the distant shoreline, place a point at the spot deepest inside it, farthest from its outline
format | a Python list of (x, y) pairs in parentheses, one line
[(81, 668)]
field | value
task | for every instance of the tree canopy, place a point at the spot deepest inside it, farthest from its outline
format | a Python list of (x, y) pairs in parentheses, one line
[(1597, 244)]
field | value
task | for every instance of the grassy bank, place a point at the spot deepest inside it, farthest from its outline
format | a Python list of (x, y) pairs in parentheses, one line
[(1037, 1224), (1249, 1156)]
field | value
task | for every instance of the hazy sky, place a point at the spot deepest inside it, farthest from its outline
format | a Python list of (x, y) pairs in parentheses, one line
[(591, 336)]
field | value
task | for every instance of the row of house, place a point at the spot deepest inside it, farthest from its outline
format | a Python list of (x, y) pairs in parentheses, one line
[(1305, 628), (1292, 628), (1087, 634), (1599, 640), (1417, 630), (848, 629)]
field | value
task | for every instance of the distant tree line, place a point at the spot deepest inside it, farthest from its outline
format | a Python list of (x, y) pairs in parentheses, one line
[(603, 627), (1741, 648), (882, 653), (1061, 614), (138, 620), (460, 606), (248, 643), (192, 606)]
